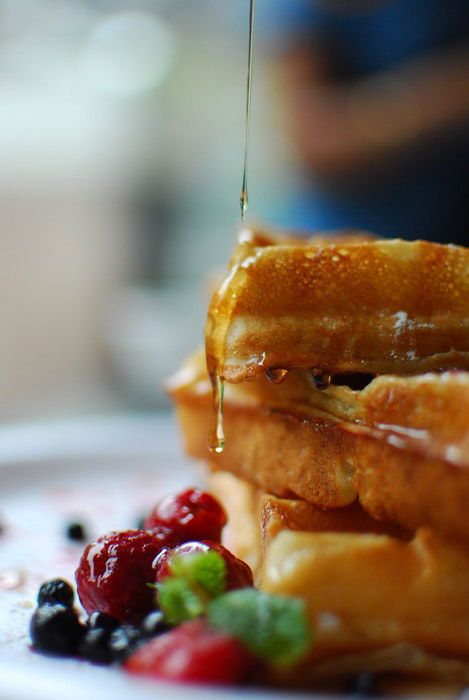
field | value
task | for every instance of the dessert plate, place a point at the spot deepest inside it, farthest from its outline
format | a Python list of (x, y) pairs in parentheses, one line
[(106, 473)]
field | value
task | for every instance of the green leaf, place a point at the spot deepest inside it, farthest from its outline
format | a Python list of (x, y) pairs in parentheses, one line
[(273, 627), (178, 601), (205, 570)]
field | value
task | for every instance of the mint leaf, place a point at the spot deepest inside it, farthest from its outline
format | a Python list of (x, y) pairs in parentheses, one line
[(178, 601), (273, 627), (205, 570), (197, 578)]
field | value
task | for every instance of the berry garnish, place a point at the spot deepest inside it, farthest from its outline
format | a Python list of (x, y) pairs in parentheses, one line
[(94, 646), (103, 621), (140, 523), (193, 652), (113, 573), (153, 624), (272, 627), (76, 531), (190, 515), (123, 642), (362, 685), (55, 629), (180, 560), (190, 575), (56, 591)]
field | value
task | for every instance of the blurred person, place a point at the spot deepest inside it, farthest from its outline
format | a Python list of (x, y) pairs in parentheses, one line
[(377, 104)]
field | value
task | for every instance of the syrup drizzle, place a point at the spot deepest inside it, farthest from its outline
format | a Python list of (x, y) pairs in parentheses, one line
[(216, 438), (320, 379), (244, 199), (276, 375)]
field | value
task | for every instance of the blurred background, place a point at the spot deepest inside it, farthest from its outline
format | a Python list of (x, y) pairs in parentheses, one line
[(121, 150)]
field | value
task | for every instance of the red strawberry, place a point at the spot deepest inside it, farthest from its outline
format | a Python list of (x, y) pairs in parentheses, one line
[(190, 515), (193, 652), (114, 571), (239, 575)]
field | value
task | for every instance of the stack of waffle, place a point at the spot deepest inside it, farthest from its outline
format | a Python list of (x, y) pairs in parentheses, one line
[(343, 367)]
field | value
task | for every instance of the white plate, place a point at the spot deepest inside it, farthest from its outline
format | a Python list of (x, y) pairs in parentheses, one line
[(106, 473)]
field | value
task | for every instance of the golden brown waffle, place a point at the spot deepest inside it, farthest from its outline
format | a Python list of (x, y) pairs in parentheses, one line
[(384, 602), (402, 443), (349, 305)]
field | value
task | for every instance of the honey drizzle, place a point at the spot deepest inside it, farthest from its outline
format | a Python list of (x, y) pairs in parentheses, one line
[(321, 380), (276, 375), (244, 199), (216, 438)]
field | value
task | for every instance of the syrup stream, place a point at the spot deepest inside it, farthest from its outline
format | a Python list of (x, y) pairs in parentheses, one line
[(244, 199), (277, 375), (216, 439)]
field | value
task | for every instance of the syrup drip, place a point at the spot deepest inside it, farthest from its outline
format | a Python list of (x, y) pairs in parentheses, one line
[(244, 199), (320, 379), (216, 438), (277, 375)]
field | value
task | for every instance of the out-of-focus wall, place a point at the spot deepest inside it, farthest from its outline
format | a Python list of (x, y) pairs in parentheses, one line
[(121, 131)]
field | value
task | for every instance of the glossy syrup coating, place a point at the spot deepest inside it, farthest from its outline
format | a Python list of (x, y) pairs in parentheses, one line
[(384, 306)]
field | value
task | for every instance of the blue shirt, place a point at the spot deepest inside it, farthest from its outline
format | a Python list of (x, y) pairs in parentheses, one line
[(424, 196)]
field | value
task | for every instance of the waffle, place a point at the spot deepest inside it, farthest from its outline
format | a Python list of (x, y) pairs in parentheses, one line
[(388, 443), (377, 599), (351, 305), (353, 500)]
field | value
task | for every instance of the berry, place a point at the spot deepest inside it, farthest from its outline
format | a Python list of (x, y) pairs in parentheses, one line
[(190, 515), (95, 646), (76, 531), (114, 571), (56, 591), (193, 652), (361, 685), (140, 523), (102, 621), (238, 573), (55, 629), (153, 624), (123, 642)]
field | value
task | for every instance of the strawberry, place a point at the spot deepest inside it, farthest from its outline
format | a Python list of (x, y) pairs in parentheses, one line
[(190, 515), (114, 571), (193, 652), (238, 574)]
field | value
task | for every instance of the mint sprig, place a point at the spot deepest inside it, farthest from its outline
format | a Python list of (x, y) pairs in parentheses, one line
[(178, 601), (272, 627), (196, 579), (206, 570)]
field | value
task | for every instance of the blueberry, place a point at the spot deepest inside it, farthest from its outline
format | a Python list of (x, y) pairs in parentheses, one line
[(56, 591), (123, 641), (140, 523), (55, 629), (362, 685), (94, 646), (101, 620), (76, 531), (153, 624)]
